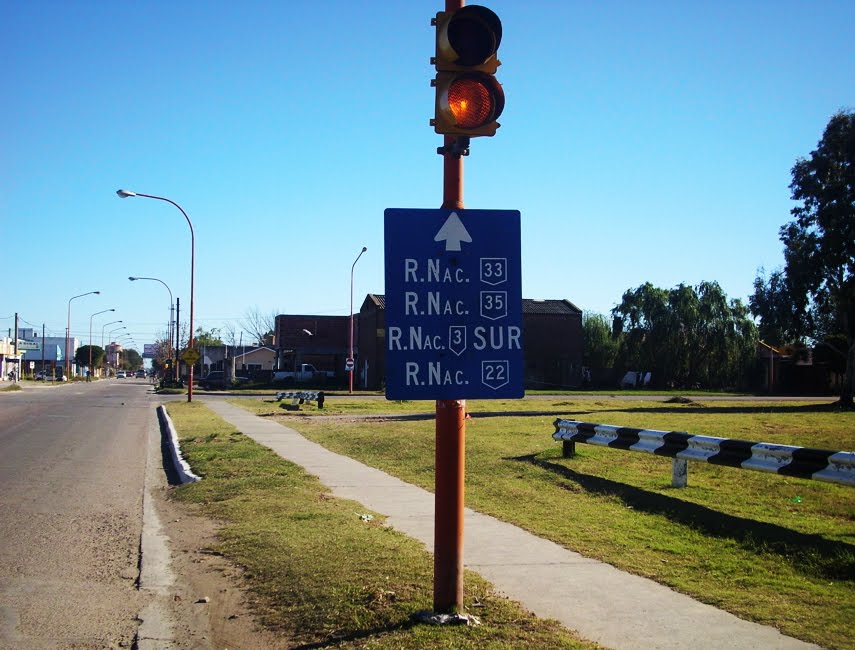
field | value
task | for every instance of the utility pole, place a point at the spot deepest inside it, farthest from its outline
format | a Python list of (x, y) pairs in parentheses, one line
[(15, 349)]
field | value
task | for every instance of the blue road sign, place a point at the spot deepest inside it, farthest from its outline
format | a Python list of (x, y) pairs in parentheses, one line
[(453, 304)]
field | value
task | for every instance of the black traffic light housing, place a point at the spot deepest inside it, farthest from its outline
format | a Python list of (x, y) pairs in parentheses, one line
[(469, 99)]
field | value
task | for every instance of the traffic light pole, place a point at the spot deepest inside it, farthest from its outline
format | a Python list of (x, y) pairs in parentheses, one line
[(468, 100), (450, 441)]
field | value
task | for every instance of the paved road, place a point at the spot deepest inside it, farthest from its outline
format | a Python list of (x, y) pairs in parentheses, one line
[(72, 474)]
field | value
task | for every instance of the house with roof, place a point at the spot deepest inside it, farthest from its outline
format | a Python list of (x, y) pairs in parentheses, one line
[(254, 360)]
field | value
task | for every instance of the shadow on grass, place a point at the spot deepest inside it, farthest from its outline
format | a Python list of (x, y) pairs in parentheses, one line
[(692, 408), (338, 639), (695, 408), (810, 555)]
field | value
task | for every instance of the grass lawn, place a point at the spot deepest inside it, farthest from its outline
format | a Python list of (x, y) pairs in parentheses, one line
[(776, 550), (321, 575)]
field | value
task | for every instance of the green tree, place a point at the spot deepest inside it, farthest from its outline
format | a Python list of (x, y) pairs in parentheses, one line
[(81, 356), (819, 247), (599, 346), (772, 302), (211, 337), (132, 359), (686, 335), (641, 320)]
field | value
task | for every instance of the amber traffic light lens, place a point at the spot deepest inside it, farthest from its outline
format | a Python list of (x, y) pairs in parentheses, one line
[(475, 101), (470, 102)]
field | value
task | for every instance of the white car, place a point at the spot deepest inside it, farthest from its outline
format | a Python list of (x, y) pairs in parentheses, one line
[(48, 376), (121, 374)]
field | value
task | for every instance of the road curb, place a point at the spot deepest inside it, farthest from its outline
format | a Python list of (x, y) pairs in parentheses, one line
[(182, 468)]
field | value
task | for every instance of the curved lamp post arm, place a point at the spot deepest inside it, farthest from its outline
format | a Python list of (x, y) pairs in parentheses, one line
[(171, 302), (350, 353), (128, 193), (68, 332), (104, 326), (104, 311)]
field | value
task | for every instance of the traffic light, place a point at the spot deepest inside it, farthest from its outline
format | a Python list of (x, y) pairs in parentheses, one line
[(469, 99)]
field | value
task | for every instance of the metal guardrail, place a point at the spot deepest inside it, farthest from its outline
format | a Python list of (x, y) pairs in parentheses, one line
[(299, 397), (305, 395), (787, 460)]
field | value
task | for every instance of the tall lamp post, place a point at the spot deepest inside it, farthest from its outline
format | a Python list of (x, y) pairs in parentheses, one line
[(90, 337), (350, 360), (171, 303), (102, 338), (122, 341), (127, 193), (68, 333), (103, 327), (110, 336)]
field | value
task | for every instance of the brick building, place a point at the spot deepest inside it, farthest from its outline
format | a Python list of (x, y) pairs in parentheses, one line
[(552, 340), (322, 341)]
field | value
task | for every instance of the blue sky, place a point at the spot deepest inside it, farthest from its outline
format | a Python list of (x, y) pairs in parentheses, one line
[(641, 141)]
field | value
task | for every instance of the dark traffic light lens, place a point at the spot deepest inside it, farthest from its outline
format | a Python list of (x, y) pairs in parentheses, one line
[(474, 33)]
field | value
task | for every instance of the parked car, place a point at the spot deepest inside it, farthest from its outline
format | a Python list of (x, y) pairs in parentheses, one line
[(307, 372), (217, 379), (140, 374), (47, 375), (121, 374)]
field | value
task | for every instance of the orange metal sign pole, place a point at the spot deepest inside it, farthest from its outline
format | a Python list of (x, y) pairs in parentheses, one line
[(450, 444)]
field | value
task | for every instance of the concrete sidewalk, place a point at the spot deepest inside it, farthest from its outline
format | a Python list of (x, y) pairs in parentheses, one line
[(616, 609)]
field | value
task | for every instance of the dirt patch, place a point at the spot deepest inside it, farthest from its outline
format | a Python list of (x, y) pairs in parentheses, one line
[(211, 601)]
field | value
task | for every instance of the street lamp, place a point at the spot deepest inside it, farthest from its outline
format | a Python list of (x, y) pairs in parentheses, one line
[(350, 361), (110, 333), (127, 193), (104, 326), (169, 328), (102, 338), (110, 336), (90, 338), (68, 333), (122, 341)]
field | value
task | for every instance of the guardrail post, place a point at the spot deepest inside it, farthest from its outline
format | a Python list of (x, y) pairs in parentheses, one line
[(568, 449), (679, 473)]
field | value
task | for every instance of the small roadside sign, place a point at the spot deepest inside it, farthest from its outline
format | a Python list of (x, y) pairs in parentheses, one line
[(190, 356)]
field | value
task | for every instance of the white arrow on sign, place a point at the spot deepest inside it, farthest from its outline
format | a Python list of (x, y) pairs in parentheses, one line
[(453, 232)]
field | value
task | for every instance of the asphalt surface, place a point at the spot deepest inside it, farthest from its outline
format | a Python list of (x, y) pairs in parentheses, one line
[(77, 462), (616, 609), (72, 467)]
